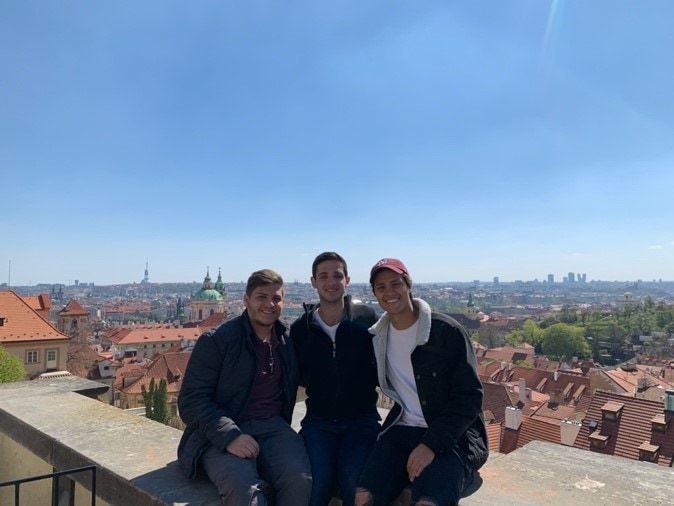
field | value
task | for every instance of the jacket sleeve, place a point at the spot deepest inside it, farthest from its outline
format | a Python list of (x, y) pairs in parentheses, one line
[(197, 401), (459, 400)]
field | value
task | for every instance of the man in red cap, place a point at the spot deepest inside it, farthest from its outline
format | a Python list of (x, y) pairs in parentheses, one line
[(434, 438)]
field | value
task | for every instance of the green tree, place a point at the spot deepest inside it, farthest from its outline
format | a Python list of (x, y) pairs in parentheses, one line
[(11, 367), (530, 333), (156, 401), (562, 341)]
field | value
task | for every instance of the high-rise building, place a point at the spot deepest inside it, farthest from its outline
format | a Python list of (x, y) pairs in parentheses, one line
[(496, 281), (551, 278), (572, 277)]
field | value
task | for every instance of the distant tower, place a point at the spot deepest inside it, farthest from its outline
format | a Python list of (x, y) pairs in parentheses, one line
[(219, 285), (496, 281), (146, 277), (551, 279), (471, 310), (572, 277)]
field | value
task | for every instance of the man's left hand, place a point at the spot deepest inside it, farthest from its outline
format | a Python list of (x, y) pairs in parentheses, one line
[(419, 459)]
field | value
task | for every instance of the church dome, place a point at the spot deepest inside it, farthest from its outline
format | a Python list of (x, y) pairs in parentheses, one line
[(207, 292)]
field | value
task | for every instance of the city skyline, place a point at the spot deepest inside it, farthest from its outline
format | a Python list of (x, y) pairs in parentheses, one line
[(470, 140)]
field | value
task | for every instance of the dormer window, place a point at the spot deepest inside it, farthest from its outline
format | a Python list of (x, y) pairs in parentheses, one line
[(648, 452), (611, 411), (598, 441), (567, 391), (659, 423)]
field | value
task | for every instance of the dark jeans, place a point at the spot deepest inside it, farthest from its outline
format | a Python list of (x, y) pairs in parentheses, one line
[(337, 451), (385, 474), (282, 463)]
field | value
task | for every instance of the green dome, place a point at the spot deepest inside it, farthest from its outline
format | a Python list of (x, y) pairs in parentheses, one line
[(207, 295)]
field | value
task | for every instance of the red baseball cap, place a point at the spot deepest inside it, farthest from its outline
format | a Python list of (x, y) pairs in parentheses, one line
[(388, 263)]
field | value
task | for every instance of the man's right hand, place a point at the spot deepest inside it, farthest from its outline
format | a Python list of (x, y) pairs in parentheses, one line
[(244, 446)]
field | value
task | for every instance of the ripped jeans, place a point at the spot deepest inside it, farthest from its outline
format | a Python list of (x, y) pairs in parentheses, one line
[(385, 474)]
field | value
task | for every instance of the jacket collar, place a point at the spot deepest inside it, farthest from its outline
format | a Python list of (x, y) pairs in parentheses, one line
[(311, 307), (424, 329)]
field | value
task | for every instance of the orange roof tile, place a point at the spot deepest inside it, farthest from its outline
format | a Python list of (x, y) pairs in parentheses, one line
[(22, 323)]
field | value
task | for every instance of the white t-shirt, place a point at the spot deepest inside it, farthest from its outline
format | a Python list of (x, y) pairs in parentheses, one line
[(401, 375), (330, 330)]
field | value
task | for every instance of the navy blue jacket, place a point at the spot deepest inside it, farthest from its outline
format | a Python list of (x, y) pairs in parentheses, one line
[(217, 384), (340, 378)]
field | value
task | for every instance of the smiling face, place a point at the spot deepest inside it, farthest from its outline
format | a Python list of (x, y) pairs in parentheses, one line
[(392, 293), (330, 281), (264, 305)]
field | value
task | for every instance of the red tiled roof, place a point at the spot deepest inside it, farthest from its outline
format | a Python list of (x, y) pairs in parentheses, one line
[(496, 399), (22, 323), (73, 308), (38, 302), (156, 335), (168, 366), (530, 430), (633, 427), (494, 431)]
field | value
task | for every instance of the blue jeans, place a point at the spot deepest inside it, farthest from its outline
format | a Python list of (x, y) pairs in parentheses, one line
[(385, 474), (337, 452)]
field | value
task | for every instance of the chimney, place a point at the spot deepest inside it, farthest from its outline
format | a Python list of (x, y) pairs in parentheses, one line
[(523, 390), (555, 376), (568, 431), (513, 418), (510, 366), (669, 401), (502, 364)]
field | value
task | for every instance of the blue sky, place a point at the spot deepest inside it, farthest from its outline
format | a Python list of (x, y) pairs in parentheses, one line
[(470, 139)]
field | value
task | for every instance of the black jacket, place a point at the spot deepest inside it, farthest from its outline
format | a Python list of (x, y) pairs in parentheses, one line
[(449, 389), (340, 379), (217, 384)]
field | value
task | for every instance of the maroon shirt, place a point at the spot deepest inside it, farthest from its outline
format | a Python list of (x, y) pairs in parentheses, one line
[(264, 400)]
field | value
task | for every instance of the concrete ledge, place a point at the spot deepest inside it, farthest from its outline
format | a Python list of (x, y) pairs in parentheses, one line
[(136, 457), (556, 475)]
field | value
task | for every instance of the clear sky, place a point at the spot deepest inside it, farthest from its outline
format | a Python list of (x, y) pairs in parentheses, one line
[(471, 139)]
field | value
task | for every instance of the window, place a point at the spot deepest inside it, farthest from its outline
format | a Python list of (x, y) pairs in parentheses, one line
[(51, 355), (32, 357)]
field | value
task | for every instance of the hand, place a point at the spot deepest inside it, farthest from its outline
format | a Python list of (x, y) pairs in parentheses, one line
[(244, 446), (419, 459)]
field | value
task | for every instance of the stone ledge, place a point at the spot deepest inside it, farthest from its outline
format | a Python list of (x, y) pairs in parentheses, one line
[(136, 458)]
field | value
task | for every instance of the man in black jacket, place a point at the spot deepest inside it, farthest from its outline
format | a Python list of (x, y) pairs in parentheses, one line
[(237, 399), (434, 439), (337, 367)]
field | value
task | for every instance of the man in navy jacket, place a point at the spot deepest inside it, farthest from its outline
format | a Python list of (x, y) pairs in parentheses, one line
[(237, 398)]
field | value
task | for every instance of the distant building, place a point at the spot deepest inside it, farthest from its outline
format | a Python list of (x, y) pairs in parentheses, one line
[(571, 277), (208, 300), (551, 278), (27, 335)]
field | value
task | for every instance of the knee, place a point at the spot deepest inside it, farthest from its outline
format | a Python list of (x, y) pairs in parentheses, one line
[(363, 497)]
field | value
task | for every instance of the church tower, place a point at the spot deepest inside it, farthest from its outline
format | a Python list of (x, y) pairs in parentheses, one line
[(206, 301)]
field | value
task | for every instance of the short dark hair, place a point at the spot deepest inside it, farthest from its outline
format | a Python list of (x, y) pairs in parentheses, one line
[(324, 257), (263, 277)]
